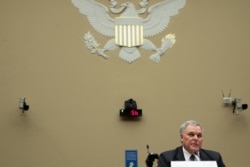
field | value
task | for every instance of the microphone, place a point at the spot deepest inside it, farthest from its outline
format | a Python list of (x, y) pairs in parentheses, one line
[(151, 157), (148, 149)]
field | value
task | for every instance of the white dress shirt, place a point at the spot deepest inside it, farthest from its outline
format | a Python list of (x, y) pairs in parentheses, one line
[(187, 155)]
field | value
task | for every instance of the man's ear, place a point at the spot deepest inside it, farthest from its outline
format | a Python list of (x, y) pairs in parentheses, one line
[(181, 137)]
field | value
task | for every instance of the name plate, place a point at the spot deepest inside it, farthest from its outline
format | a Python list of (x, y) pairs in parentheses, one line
[(193, 164)]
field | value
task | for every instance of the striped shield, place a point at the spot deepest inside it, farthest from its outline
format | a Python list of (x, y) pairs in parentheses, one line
[(129, 31)]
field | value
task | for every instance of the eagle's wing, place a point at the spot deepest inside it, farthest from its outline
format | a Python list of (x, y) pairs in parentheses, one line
[(159, 16), (97, 15)]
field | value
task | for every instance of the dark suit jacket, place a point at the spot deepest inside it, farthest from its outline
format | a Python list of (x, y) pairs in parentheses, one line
[(177, 154)]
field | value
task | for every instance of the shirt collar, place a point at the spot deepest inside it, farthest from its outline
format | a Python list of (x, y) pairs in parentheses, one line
[(187, 154)]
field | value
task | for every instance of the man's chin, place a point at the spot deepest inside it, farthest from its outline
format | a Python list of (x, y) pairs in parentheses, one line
[(195, 149)]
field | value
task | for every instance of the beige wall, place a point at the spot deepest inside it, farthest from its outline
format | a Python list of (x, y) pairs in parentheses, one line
[(75, 96)]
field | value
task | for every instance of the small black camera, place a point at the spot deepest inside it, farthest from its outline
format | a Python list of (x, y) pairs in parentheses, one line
[(22, 104)]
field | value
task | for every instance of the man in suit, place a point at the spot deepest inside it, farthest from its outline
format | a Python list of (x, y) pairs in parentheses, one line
[(191, 139)]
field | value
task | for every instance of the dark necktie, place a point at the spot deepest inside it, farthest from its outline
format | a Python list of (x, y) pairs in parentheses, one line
[(192, 158)]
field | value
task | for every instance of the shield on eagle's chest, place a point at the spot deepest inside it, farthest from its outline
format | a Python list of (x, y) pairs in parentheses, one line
[(129, 31)]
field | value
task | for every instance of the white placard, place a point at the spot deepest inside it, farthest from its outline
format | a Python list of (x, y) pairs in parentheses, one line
[(193, 164)]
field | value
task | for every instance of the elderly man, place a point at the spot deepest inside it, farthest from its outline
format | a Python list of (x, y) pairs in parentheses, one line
[(191, 149)]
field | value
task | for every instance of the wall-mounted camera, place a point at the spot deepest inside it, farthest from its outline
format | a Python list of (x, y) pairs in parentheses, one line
[(238, 107), (22, 104), (236, 103)]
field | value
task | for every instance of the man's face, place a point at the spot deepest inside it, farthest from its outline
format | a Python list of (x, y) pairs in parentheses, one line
[(191, 139)]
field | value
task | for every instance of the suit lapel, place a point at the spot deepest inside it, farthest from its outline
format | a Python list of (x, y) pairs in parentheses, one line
[(203, 155), (179, 154)]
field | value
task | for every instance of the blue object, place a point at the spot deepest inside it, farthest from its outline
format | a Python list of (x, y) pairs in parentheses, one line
[(131, 159)]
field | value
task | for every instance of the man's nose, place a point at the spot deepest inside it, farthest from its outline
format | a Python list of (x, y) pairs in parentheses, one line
[(195, 137)]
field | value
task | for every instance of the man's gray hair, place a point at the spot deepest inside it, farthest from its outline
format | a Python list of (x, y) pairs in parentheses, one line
[(190, 122)]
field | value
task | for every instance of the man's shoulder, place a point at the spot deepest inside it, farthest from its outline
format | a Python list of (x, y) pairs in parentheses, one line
[(209, 151), (172, 150), (171, 153), (210, 154)]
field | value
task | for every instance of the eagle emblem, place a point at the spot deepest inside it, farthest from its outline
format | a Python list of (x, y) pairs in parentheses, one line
[(129, 30)]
